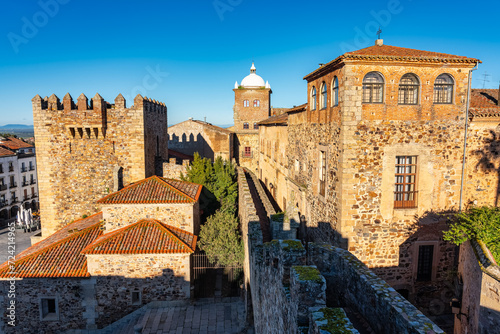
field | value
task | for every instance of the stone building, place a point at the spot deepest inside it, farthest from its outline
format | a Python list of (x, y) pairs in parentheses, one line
[(252, 104), (374, 156), (208, 140), (18, 179), (87, 151), (98, 269)]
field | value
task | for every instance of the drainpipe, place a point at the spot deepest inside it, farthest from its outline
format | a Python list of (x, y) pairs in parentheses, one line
[(465, 136)]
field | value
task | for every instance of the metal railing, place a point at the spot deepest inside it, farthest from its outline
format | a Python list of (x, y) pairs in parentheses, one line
[(24, 169), (32, 181), (3, 187), (13, 185)]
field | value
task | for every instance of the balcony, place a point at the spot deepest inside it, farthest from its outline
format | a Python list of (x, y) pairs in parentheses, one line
[(24, 169), (13, 185), (11, 168), (32, 168), (14, 200), (27, 197), (25, 183), (34, 195), (32, 181), (3, 187)]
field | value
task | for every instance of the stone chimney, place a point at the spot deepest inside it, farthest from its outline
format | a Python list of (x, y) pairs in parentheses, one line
[(379, 42)]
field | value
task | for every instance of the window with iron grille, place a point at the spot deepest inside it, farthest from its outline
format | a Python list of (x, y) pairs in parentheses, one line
[(256, 103), (245, 126), (408, 89), (313, 98), (248, 151), (322, 173), (405, 194), (335, 92), (323, 97), (424, 268), (373, 88), (255, 126), (443, 89)]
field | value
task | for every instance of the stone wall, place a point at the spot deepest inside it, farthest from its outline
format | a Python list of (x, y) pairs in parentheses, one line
[(81, 148), (480, 303), (243, 140), (181, 215), (173, 170)]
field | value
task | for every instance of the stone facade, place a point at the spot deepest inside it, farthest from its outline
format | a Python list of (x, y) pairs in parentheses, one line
[(84, 151), (208, 140), (185, 216), (173, 170)]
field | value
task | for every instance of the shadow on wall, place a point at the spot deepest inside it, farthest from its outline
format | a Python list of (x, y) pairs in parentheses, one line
[(489, 159), (72, 303), (191, 144), (426, 274)]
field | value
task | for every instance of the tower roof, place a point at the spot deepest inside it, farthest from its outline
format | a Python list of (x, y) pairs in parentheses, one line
[(253, 80)]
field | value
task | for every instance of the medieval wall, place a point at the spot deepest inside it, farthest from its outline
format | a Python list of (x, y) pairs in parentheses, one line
[(173, 170), (181, 215), (193, 136), (250, 160), (81, 147)]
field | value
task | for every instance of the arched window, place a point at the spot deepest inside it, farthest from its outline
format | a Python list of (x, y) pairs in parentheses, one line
[(246, 103), (373, 88), (335, 92), (313, 98), (323, 97), (408, 89), (256, 103), (443, 89), (245, 126)]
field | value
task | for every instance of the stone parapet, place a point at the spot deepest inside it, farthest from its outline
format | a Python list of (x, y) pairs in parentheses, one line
[(325, 320)]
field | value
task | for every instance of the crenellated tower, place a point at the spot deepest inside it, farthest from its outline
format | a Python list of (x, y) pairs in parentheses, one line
[(89, 149)]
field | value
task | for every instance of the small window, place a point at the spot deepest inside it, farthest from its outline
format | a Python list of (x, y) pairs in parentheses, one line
[(425, 257), (443, 89), (245, 126), (335, 92), (408, 89), (313, 98), (136, 297), (49, 309), (248, 152), (256, 103), (246, 103), (405, 194), (373, 88), (322, 173), (255, 126), (323, 97)]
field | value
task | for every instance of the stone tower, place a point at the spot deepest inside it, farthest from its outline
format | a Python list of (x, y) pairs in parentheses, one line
[(252, 104), (85, 151)]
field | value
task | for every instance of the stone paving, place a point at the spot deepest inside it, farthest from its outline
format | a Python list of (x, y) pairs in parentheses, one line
[(22, 241), (204, 316)]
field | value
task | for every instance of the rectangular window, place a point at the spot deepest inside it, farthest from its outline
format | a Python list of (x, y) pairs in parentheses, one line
[(248, 151), (255, 126), (246, 103), (405, 193), (425, 256), (136, 297), (1, 168), (48, 309), (245, 126), (322, 173)]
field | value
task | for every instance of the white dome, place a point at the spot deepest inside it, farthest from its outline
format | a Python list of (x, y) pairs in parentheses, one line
[(252, 80)]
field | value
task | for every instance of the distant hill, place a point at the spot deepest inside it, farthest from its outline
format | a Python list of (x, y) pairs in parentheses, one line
[(16, 126)]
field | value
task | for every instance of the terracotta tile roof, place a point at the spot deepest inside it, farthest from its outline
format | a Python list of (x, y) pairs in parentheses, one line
[(14, 143), (155, 189), (391, 53), (274, 120), (59, 255), (5, 152), (300, 108), (211, 126), (147, 236), (483, 103)]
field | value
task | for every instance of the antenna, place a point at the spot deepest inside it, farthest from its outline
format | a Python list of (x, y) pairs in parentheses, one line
[(485, 79), (379, 32)]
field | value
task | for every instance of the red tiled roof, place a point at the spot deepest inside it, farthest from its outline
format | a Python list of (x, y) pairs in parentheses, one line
[(14, 143), (4, 152), (155, 189), (300, 108), (147, 236), (59, 255), (483, 103), (391, 53), (273, 120)]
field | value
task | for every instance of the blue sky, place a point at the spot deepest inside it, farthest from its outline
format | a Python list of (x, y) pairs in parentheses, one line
[(188, 54)]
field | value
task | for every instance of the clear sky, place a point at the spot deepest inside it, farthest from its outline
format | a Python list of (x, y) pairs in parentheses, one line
[(188, 54)]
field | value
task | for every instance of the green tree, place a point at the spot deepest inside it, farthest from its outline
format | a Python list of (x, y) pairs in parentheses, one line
[(220, 238), (477, 223)]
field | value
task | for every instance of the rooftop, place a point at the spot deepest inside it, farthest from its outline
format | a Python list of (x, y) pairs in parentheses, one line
[(146, 236), (275, 120), (391, 53), (483, 103), (5, 152), (12, 143), (156, 190)]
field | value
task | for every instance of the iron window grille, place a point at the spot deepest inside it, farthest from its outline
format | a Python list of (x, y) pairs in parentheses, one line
[(408, 89), (373, 88), (443, 89)]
